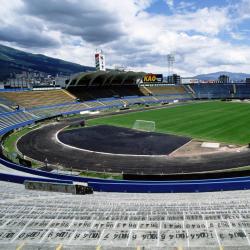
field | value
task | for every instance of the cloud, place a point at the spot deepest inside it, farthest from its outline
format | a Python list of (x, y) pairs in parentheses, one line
[(91, 20), (23, 30), (170, 3), (242, 10), (128, 34), (27, 37), (206, 20), (183, 7)]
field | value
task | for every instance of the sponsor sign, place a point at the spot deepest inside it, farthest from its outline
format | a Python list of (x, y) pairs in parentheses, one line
[(154, 78)]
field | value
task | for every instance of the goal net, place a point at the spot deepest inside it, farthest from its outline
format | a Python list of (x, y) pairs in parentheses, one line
[(143, 125)]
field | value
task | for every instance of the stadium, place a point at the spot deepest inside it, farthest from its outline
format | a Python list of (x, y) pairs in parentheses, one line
[(168, 164)]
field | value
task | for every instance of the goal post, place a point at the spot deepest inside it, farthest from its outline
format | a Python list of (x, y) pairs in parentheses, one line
[(143, 125)]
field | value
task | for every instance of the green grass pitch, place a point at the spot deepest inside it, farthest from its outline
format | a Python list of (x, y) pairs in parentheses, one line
[(215, 121)]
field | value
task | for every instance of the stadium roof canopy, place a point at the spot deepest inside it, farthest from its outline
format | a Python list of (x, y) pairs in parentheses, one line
[(105, 78)]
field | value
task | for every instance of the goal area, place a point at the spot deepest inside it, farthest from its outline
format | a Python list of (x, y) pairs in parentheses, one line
[(142, 125)]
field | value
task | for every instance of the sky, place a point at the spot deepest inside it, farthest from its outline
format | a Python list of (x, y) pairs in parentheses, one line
[(204, 35)]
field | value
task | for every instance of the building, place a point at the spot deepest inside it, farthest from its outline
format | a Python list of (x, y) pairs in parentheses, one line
[(248, 80), (224, 79), (61, 80), (174, 79), (100, 61)]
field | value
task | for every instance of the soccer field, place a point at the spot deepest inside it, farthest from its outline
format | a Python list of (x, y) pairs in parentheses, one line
[(217, 121)]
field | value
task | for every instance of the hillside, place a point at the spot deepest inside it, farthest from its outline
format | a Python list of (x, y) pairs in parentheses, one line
[(16, 61), (214, 76)]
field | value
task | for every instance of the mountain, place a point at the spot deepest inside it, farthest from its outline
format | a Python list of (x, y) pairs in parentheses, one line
[(16, 61), (215, 76)]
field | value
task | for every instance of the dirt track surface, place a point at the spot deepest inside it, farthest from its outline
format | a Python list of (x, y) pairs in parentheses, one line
[(41, 143)]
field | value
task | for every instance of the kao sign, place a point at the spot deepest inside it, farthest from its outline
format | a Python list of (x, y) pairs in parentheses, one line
[(154, 78)]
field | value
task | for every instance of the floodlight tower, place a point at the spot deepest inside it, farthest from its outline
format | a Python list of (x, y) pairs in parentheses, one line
[(171, 60)]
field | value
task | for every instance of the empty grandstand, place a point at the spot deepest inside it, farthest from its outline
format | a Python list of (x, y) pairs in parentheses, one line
[(92, 93), (30, 219), (16, 118), (35, 220), (109, 157), (56, 102), (96, 85), (241, 90), (5, 109), (166, 90), (30, 99), (217, 91)]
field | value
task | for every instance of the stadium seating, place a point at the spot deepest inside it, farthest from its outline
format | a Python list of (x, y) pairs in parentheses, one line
[(113, 102), (73, 107), (32, 219), (55, 100), (5, 101), (30, 99), (218, 91), (112, 221), (14, 118), (242, 90), (59, 109), (92, 93), (128, 90), (165, 90), (95, 97), (110, 102), (116, 219), (81, 94), (5, 105), (94, 104), (33, 99), (4, 109), (213, 91)]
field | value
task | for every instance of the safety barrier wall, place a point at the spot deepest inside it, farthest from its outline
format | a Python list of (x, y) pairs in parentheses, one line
[(139, 187), (41, 173), (171, 187), (89, 179), (186, 176), (20, 179), (104, 185)]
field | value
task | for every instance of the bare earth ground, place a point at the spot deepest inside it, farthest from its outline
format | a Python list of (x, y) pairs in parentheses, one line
[(194, 148)]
